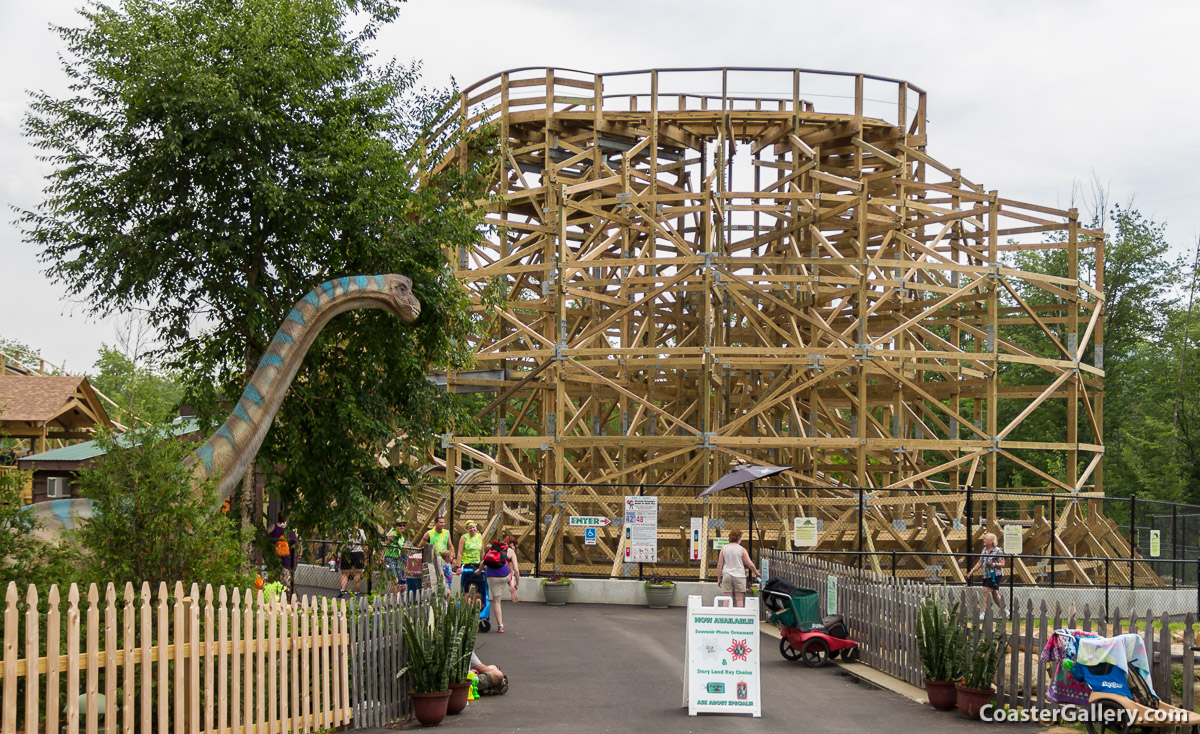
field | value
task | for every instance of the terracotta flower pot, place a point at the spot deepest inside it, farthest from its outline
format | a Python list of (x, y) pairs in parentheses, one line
[(941, 694), (430, 708), (458, 697), (970, 700)]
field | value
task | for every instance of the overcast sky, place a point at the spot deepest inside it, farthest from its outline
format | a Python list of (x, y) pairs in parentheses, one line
[(1030, 98)]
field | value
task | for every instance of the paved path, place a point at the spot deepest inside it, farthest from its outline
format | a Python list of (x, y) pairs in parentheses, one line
[(607, 668)]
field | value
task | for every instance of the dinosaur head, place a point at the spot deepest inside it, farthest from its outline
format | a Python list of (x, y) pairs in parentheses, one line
[(400, 297)]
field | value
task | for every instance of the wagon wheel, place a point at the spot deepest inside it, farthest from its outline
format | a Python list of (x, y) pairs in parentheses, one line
[(485, 625), (850, 654), (1113, 717), (815, 652), (787, 651)]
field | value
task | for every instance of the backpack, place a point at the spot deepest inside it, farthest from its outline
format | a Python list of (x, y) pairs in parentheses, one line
[(496, 556), (283, 549)]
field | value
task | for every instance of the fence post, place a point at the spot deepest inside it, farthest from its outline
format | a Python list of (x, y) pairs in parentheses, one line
[(1198, 586), (862, 529), (1175, 545), (1107, 608), (969, 520), (1012, 599), (1053, 534), (893, 565), (537, 530), (1132, 540), (642, 491)]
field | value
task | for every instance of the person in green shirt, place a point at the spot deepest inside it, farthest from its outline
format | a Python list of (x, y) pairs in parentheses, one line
[(393, 553), (439, 538)]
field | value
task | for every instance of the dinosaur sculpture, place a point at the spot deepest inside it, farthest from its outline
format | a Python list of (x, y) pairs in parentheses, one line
[(228, 452)]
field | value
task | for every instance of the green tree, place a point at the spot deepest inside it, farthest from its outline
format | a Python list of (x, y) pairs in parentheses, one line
[(213, 162), (149, 522), (143, 396)]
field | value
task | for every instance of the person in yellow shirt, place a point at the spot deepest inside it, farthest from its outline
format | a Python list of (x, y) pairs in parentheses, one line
[(470, 555)]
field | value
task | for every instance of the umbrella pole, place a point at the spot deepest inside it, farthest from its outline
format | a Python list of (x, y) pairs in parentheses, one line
[(750, 505)]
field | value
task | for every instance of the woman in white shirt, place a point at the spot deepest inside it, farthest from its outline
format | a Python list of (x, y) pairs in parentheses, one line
[(731, 568)]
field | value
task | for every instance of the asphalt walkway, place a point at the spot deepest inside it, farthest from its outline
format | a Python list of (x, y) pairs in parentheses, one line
[(607, 668)]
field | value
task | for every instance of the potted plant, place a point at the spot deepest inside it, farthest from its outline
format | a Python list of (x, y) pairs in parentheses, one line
[(435, 646), (940, 644), (465, 617), (979, 668), (556, 588), (659, 591)]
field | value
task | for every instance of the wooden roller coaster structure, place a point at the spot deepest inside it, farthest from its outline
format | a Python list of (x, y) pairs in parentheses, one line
[(695, 274)]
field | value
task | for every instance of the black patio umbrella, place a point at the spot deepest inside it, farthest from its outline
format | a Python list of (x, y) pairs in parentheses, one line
[(744, 474)]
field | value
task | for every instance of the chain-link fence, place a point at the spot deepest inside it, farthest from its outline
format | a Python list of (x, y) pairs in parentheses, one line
[(594, 530)]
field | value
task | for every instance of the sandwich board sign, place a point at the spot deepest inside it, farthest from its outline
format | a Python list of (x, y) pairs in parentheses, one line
[(721, 658)]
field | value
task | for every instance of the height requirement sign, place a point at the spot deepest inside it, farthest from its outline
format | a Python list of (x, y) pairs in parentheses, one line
[(641, 529)]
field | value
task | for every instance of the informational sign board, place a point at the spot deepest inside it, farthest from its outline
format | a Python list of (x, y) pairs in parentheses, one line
[(641, 529), (589, 536), (1013, 540), (695, 544), (804, 532), (1155, 543), (588, 521), (831, 595), (721, 658), (719, 543)]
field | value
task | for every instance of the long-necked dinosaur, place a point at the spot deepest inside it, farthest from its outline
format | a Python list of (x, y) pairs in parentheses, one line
[(227, 453)]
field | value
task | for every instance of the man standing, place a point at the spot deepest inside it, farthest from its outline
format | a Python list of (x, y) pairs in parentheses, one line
[(393, 552), (439, 538), (731, 568)]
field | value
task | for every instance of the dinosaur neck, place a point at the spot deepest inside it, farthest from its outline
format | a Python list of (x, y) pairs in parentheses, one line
[(228, 452)]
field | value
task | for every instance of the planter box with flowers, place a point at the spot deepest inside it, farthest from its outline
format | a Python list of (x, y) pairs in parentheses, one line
[(556, 589)]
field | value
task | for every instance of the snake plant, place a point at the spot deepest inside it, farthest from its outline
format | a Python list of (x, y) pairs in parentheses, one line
[(438, 646), (982, 657), (940, 640)]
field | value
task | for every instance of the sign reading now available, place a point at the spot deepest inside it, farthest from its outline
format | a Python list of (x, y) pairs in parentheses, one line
[(721, 659)]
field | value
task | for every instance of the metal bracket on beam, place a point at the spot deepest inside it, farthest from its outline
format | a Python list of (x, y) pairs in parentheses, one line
[(708, 437), (558, 352), (445, 440), (994, 443), (864, 351), (624, 201)]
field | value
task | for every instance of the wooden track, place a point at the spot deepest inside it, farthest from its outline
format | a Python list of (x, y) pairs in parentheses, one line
[(695, 274)]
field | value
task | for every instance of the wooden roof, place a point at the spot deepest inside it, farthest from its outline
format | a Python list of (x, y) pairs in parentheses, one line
[(57, 407)]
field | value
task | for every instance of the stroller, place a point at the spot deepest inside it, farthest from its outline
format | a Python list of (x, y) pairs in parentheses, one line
[(485, 611), (804, 633), (1110, 678)]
